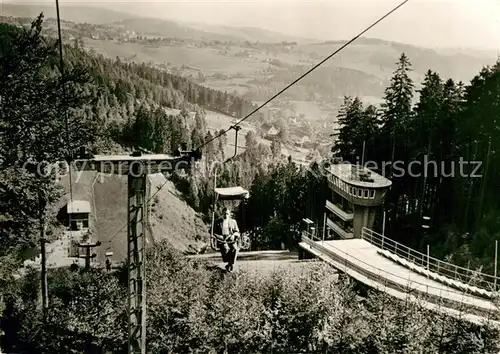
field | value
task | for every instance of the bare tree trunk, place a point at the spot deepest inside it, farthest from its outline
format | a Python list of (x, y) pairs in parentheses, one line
[(44, 257)]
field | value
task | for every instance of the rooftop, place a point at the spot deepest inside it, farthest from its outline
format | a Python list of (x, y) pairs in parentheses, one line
[(232, 193), (358, 175), (78, 206)]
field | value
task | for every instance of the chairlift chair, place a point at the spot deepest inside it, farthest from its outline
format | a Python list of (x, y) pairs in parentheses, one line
[(229, 194)]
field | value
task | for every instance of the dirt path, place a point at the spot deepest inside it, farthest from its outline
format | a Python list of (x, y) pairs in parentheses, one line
[(263, 262)]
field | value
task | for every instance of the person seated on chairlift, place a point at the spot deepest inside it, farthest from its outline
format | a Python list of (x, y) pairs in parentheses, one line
[(228, 235)]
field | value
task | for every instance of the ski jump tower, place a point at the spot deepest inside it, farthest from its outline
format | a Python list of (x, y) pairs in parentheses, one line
[(356, 194)]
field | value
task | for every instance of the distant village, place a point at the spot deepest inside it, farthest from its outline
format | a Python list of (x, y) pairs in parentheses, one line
[(297, 125)]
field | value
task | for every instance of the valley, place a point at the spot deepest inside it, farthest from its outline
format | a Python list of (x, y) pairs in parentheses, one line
[(255, 64), (91, 255)]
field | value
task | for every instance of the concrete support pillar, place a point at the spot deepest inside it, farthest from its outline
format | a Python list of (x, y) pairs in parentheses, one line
[(363, 217)]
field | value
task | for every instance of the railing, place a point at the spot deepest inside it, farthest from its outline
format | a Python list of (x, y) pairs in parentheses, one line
[(431, 264), (403, 284), (318, 235), (339, 230), (321, 233), (311, 236)]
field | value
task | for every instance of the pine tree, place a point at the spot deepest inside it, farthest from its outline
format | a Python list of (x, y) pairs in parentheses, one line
[(210, 151), (33, 113), (197, 138), (427, 124), (370, 132), (143, 129), (198, 132), (353, 129), (250, 140), (479, 124), (449, 200), (428, 112), (194, 193), (397, 107), (161, 138), (282, 127), (222, 143), (396, 123), (276, 149)]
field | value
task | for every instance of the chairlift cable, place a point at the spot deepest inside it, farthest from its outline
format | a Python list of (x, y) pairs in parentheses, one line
[(236, 125), (306, 73), (68, 139)]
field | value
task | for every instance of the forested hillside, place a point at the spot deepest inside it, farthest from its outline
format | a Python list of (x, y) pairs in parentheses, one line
[(107, 104), (154, 86), (113, 106), (126, 88), (110, 105)]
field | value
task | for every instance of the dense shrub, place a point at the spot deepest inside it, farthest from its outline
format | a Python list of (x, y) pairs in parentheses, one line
[(193, 308)]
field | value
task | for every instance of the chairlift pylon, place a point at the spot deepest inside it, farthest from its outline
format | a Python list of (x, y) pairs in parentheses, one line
[(236, 128)]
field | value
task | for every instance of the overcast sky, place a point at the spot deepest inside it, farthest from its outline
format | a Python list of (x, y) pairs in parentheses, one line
[(442, 23)]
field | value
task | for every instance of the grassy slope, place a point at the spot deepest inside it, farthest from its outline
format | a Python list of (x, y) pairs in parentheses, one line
[(81, 189), (206, 60), (172, 218), (217, 121), (110, 194), (252, 34)]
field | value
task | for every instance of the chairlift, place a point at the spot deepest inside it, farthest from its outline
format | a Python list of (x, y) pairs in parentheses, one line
[(229, 195)]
